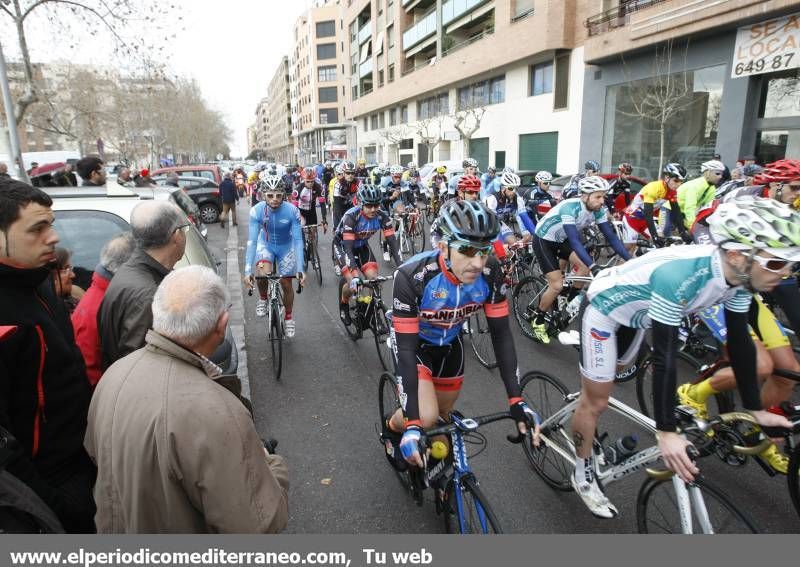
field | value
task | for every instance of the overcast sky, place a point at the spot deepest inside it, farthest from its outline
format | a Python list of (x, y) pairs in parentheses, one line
[(232, 48)]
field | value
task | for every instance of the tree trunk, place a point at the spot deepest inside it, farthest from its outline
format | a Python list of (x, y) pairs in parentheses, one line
[(661, 135), (30, 96)]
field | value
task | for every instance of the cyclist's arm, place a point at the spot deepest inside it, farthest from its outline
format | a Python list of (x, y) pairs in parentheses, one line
[(496, 309), (252, 239), (388, 233), (348, 244), (523, 218), (648, 212), (741, 349), (577, 246), (676, 216), (613, 239), (691, 204), (297, 238), (666, 344), (405, 322), (787, 296)]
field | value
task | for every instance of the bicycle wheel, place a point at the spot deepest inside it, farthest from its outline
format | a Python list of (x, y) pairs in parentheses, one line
[(466, 510), (388, 404), (545, 395), (379, 325), (481, 340), (419, 233), (657, 510), (276, 338), (793, 477), (525, 299), (317, 264)]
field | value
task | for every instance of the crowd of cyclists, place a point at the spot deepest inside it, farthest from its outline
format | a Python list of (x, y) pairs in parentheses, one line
[(721, 241)]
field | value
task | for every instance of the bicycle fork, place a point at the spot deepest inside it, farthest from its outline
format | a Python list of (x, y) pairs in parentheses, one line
[(689, 497)]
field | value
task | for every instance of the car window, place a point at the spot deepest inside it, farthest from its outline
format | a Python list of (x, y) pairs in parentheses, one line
[(197, 252), (85, 233), (208, 174), (426, 169)]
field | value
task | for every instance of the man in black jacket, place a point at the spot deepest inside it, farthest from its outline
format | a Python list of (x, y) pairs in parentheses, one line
[(44, 392)]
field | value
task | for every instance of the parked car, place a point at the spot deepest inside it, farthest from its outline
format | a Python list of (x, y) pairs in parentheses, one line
[(204, 192), (558, 183), (209, 171), (428, 170), (88, 217)]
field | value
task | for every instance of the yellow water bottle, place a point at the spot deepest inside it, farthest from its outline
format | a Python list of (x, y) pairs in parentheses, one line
[(438, 450)]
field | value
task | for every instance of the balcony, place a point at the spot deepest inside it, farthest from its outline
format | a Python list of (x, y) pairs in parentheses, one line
[(409, 5), (454, 9), (616, 17), (365, 69), (364, 33), (422, 30)]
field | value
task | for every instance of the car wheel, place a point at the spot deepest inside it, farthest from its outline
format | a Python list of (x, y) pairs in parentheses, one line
[(209, 213)]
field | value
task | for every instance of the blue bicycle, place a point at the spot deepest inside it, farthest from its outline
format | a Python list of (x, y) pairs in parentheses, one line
[(458, 495)]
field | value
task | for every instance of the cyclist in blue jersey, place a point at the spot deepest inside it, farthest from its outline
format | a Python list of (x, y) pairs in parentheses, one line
[(571, 189), (487, 178), (539, 200), (508, 205), (275, 238), (351, 243), (470, 166), (557, 238), (397, 194), (434, 293), (755, 245)]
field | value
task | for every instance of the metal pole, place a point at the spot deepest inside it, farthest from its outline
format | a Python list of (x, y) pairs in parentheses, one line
[(11, 120)]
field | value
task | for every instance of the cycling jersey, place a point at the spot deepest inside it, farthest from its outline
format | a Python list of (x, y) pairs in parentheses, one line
[(486, 180), (618, 187), (508, 208), (539, 202), (571, 189), (568, 212), (355, 230), (276, 231), (692, 195), (406, 195), (764, 326), (656, 193)]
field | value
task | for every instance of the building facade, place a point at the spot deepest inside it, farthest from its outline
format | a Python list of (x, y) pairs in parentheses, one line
[(497, 80), (279, 146), (317, 85), (724, 74), (252, 138), (263, 125)]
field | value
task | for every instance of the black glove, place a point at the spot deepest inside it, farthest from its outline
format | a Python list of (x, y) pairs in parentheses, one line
[(658, 242), (687, 238), (595, 269), (521, 413)]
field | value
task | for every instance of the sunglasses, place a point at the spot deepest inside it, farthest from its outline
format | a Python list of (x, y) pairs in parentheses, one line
[(371, 206), (273, 195), (545, 182), (774, 265), (471, 251)]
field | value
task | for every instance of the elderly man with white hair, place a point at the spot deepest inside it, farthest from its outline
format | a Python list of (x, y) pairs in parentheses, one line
[(176, 451)]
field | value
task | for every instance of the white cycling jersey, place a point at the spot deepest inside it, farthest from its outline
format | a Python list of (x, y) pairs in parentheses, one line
[(570, 211)]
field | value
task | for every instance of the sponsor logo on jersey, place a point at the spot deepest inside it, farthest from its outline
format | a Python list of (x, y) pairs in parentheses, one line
[(599, 335), (365, 234), (419, 276), (451, 314), (400, 306), (432, 267), (440, 293)]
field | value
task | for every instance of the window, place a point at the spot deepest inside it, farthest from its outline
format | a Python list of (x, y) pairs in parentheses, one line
[(327, 94), (380, 78), (366, 124), (491, 91), (390, 36), (326, 74), (404, 113), (522, 8), (433, 106), (354, 92), (772, 145), (561, 96), (329, 116), (373, 122), (326, 29), (326, 51), (542, 78), (407, 144), (382, 120), (779, 95), (393, 117)]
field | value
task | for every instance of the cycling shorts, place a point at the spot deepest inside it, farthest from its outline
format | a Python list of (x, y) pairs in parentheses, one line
[(443, 365), (763, 325), (284, 256), (365, 259), (549, 253), (605, 344), (632, 229), (310, 215)]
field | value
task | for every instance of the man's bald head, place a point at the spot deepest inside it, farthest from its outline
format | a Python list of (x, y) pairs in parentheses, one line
[(154, 222)]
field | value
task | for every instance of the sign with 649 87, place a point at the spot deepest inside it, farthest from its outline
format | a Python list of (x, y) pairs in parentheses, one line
[(767, 47)]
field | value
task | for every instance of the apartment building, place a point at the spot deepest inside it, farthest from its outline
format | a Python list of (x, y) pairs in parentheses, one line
[(497, 80), (725, 73), (279, 145), (262, 124), (317, 85), (252, 138)]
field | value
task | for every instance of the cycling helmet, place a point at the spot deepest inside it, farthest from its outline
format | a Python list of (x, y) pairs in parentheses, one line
[(625, 168), (754, 222), (308, 174), (271, 183), (675, 170), (469, 162), (592, 165), (348, 167), (778, 171), (441, 170), (593, 184), (369, 194), (510, 180), (412, 165), (509, 170), (712, 165), (543, 176), (752, 170), (361, 161), (491, 169), (469, 221), (469, 183), (396, 170), (338, 169)]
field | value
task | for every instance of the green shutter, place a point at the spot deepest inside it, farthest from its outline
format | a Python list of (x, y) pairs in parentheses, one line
[(479, 149), (538, 151), (500, 159)]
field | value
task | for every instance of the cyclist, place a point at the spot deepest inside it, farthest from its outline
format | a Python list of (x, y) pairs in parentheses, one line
[(508, 205), (309, 194), (619, 193), (470, 166), (397, 196), (275, 238), (434, 293), (351, 243), (571, 190), (753, 249), (540, 200), (743, 176), (486, 179), (411, 171), (289, 178), (327, 174), (639, 218), (557, 237), (344, 190), (416, 185), (438, 183), (338, 176), (700, 191), (361, 169)]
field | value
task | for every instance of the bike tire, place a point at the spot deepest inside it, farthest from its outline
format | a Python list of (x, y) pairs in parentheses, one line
[(419, 233), (477, 516), (317, 265), (657, 510), (525, 299), (546, 394), (380, 332), (481, 340), (276, 339), (793, 478), (388, 403)]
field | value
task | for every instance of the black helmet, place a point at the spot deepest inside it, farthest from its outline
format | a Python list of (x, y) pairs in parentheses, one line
[(470, 221), (674, 170), (348, 167), (369, 194), (592, 164)]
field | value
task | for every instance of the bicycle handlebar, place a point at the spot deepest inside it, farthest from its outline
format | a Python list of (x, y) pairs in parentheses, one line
[(480, 420), (299, 288)]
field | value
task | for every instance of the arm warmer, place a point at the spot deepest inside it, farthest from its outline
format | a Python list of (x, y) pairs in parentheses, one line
[(742, 353), (576, 244), (524, 220), (613, 240), (665, 347), (503, 343), (648, 211)]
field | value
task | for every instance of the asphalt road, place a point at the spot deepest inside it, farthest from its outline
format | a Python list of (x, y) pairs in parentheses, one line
[(324, 414)]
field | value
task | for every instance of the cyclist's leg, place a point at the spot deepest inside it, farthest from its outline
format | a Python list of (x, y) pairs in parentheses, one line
[(578, 268), (546, 255), (287, 266), (369, 265)]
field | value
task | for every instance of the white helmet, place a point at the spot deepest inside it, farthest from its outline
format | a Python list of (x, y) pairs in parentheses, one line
[(510, 180), (543, 176), (593, 184), (509, 169), (469, 162), (713, 165), (396, 170), (753, 222), (412, 165), (271, 182), (338, 169)]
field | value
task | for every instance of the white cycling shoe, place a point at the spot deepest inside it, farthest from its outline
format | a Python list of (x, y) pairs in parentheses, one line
[(595, 500), (261, 308), (289, 328)]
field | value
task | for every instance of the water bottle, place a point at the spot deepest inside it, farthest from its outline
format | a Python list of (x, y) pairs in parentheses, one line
[(621, 449)]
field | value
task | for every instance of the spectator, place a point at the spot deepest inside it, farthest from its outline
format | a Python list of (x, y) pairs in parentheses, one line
[(172, 180), (158, 229), (40, 365), (143, 179), (4, 171), (230, 197), (206, 465), (34, 165), (91, 170), (124, 177), (84, 319), (64, 177), (63, 278)]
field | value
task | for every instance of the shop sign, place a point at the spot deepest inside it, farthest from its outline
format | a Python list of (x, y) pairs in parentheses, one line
[(767, 47)]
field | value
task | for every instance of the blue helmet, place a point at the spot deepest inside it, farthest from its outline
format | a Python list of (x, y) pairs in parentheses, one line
[(369, 194), (592, 164)]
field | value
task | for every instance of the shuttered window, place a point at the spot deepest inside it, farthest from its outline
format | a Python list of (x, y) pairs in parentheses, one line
[(538, 151)]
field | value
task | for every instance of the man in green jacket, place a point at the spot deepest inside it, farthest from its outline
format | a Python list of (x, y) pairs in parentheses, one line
[(698, 192)]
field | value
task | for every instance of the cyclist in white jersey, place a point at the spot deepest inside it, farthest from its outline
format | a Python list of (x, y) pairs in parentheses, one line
[(753, 250)]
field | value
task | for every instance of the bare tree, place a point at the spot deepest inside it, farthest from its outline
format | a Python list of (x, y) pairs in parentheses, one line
[(662, 97), (393, 136), (431, 132), (468, 119)]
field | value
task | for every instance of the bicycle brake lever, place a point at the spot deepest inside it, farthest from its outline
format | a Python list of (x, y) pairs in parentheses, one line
[(518, 438)]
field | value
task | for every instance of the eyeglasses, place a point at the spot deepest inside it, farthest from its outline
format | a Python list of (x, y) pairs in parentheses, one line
[(273, 195), (774, 265), (183, 228), (371, 206), (471, 251), (66, 269), (719, 173)]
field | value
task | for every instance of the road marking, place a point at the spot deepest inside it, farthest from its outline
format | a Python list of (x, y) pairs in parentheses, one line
[(234, 284)]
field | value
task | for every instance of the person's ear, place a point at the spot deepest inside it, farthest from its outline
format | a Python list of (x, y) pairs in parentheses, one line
[(222, 323)]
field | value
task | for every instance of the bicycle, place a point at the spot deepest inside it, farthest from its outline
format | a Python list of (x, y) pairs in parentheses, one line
[(367, 311), (405, 241), (700, 501), (275, 318), (434, 204), (458, 495), (415, 229), (311, 253)]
